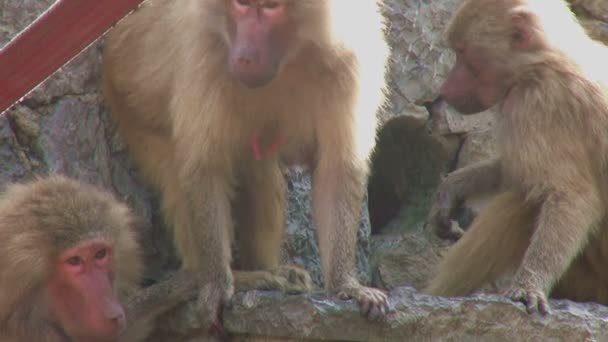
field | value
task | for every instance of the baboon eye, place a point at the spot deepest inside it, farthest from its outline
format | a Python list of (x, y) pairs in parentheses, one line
[(101, 254), (74, 261), (243, 2), (271, 4)]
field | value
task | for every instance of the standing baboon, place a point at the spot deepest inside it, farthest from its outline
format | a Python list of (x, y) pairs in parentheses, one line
[(211, 95), (70, 266), (534, 61)]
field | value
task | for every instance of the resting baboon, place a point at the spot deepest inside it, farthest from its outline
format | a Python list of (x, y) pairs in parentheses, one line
[(70, 266), (534, 61), (211, 95)]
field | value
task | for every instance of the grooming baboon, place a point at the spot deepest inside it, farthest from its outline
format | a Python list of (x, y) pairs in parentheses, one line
[(210, 95), (70, 266), (534, 61)]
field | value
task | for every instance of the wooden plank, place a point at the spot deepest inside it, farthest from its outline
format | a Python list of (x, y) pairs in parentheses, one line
[(52, 40)]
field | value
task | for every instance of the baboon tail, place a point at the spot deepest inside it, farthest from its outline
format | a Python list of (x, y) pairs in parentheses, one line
[(494, 244)]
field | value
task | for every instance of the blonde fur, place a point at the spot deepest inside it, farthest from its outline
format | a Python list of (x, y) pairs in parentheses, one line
[(38, 220), (188, 124), (551, 132)]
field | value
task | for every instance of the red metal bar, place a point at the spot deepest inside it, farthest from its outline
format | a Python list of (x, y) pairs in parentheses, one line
[(52, 40)]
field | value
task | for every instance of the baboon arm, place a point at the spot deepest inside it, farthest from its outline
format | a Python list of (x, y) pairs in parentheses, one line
[(337, 200), (154, 300), (337, 196), (563, 227), (291, 279), (202, 221), (478, 178), (203, 225)]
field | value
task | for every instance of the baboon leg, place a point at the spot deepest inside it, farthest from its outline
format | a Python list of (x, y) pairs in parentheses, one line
[(260, 216), (586, 280)]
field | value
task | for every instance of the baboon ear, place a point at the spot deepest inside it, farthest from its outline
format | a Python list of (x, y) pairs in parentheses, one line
[(524, 35)]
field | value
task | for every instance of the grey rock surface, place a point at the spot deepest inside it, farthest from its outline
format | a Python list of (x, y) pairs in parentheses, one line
[(420, 59), (300, 245), (478, 146), (413, 317), (405, 259), (447, 121), (597, 9), (15, 15)]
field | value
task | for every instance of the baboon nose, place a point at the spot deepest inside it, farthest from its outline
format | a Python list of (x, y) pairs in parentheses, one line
[(116, 317), (120, 321), (244, 61)]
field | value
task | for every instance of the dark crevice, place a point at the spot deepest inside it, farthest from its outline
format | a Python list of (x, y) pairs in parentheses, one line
[(406, 167)]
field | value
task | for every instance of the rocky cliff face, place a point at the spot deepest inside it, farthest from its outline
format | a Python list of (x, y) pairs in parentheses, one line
[(63, 127)]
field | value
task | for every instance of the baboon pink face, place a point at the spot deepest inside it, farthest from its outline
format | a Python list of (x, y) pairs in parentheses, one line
[(82, 295), (260, 34), (473, 84)]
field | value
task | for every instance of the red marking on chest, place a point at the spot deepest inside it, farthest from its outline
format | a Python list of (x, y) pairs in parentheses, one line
[(259, 152)]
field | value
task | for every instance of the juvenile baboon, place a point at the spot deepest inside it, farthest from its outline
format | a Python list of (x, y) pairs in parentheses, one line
[(211, 95), (70, 266), (534, 61)]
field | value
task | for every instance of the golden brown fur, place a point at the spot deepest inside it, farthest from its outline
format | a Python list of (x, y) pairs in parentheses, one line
[(189, 125), (546, 76), (41, 218)]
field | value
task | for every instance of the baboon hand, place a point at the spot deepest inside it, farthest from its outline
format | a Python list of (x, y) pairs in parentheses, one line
[(213, 297), (534, 299), (445, 203), (296, 279), (372, 302), (287, 278)]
